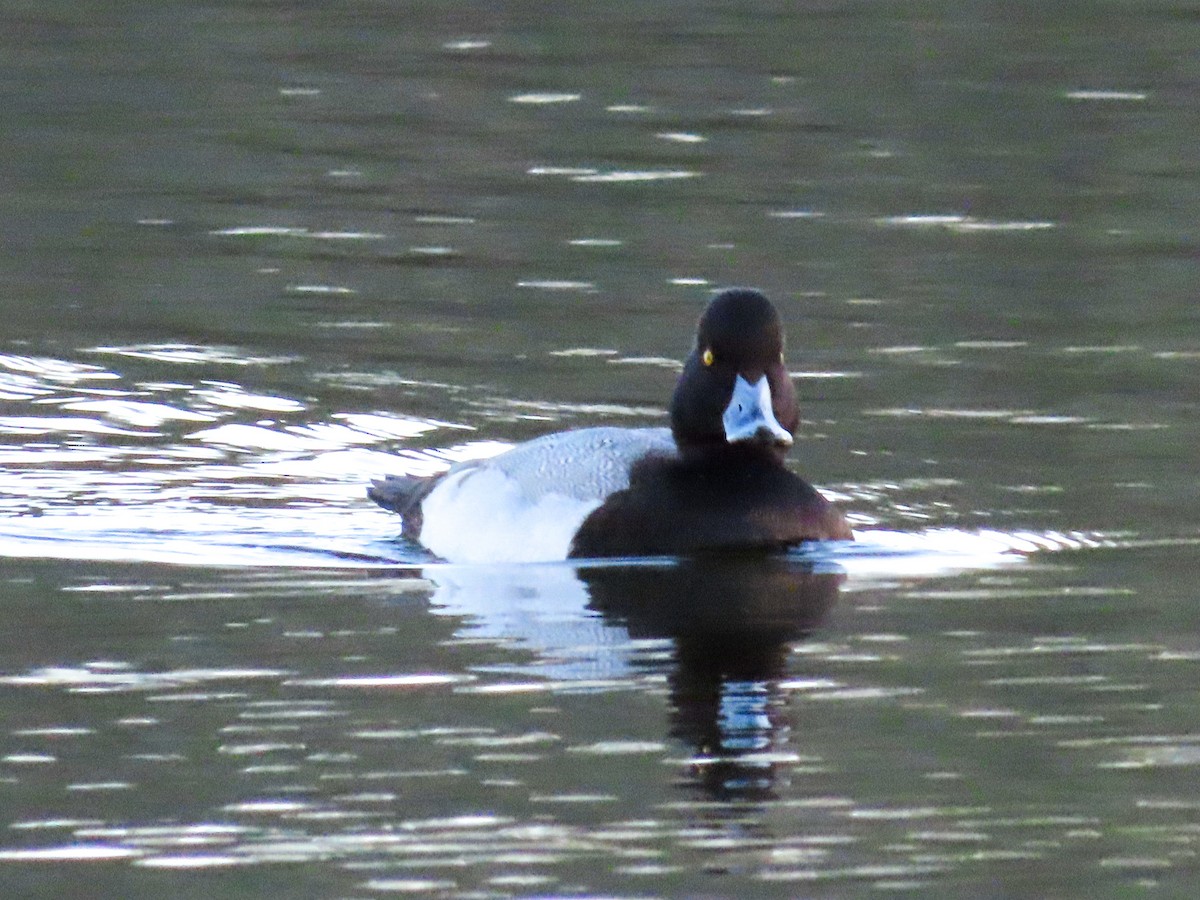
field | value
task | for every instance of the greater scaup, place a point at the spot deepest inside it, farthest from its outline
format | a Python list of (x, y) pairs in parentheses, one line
[(714, 481)]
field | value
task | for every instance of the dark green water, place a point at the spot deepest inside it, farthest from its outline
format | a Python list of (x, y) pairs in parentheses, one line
[(253, 254)]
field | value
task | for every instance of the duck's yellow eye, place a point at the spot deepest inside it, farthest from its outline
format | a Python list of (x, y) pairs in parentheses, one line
[(707, 356)]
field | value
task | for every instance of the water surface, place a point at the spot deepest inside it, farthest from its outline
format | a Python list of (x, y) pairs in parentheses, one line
[(257, 254)]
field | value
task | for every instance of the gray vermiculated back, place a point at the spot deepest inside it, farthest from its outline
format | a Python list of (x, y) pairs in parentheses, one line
[(586, 464)]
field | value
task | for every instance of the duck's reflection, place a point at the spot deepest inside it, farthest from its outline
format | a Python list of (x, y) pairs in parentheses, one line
[(728, 623), (732, 621)]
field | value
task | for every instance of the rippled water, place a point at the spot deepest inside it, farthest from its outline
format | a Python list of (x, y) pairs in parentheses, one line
[(256, 255)]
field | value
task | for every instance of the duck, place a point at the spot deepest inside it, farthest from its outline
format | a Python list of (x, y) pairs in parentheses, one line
[(714, 481)]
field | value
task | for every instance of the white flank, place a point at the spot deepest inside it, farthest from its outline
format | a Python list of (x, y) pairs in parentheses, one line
[(525, 505), (482, 515)]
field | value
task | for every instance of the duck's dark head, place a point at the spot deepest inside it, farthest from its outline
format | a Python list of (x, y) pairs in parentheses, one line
[(734, 391)]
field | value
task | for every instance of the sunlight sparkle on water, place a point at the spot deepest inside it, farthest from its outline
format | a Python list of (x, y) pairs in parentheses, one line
[(192, 354), (544, 99), (637, 175), (962, 223), (557, 285), (69, 853), (384, 681)]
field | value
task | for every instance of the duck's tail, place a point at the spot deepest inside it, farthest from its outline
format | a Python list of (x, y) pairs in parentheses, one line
[(403, 494)]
